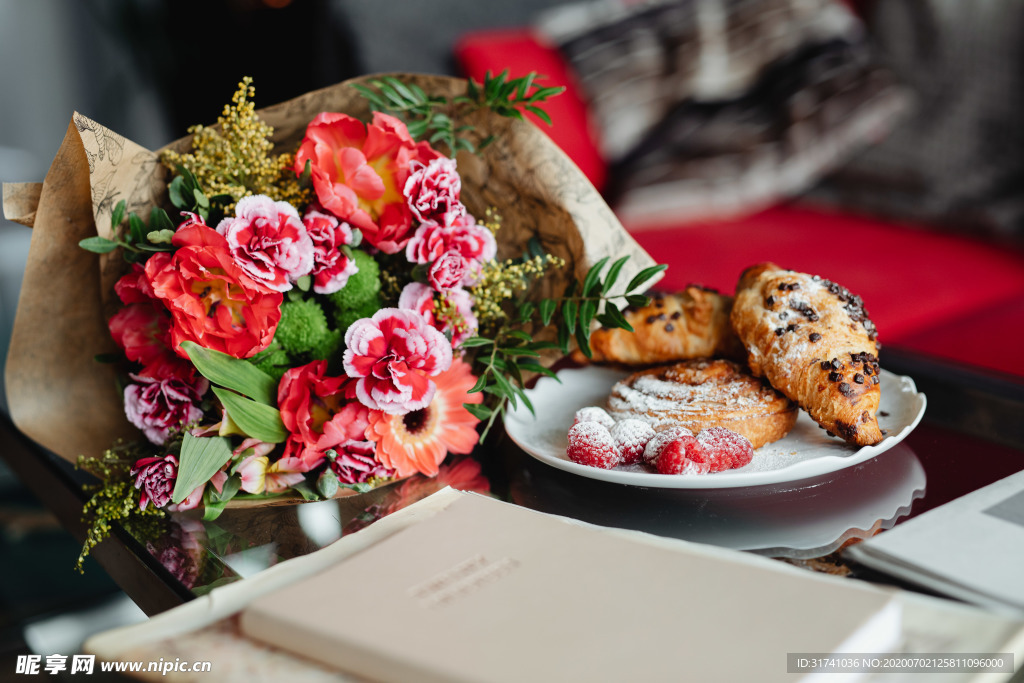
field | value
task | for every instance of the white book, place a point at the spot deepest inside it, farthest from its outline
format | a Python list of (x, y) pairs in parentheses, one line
[(971, 548), (488, 591)]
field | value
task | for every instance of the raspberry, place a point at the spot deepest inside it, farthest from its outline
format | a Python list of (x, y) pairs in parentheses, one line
[(683, 455), (594, 414), (590, 443), (658, 441), (725, 449), (631, 436)]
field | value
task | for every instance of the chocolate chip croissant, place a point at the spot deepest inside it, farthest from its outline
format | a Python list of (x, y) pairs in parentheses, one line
[(691, 324), (813, 341)]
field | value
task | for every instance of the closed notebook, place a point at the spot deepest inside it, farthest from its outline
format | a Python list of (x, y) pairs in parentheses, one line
[(488, 591)]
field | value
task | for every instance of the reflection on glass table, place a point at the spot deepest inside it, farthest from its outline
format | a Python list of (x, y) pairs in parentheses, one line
[(803, 519), (202, 555)]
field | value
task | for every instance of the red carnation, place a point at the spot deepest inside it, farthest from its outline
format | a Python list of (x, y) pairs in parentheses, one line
[(211, 300)]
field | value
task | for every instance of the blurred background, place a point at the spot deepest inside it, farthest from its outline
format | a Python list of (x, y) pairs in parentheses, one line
[(887, 129)]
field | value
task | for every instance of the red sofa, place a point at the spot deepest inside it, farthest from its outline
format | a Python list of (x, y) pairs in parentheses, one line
[(942, 294)]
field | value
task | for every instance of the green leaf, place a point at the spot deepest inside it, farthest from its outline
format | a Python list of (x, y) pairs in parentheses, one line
[(519, 334), (118, 215), (478, 410), (539, 113), (258, 420), (526, 312), (153, 248), (569, 315), (212, 509), (542, 345), (231, 488), (201, 199), (481, 382), (98, 245), (327, 483), (176, 192), (583, 341), (200, 459), (306, 491), (525, 399), (503, 384), (514, 352), (563, 339), (159, 220), (160, 236), (529, 366), (613, 274), (233, 373), (587, 310), (304, 283), (638, 300), (547, 310), (363, 487), (617, 319), (644, 275), (357, 236), (476, 341), (591, 282)]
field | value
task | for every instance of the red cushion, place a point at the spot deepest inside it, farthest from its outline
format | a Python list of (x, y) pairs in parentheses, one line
[(989, 337), (915, 283), (518, 51)]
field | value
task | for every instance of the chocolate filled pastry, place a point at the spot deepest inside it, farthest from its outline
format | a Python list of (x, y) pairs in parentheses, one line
[(691, 324), (814, 342), (705, 393)]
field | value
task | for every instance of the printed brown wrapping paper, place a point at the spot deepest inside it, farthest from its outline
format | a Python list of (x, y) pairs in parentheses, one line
[(66, 401)]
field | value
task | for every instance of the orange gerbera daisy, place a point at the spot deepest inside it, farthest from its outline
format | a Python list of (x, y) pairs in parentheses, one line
[(418, 441)]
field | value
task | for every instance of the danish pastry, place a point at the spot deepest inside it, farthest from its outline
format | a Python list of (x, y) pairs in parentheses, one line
[(697, 394), (814, 342), (691, 324)]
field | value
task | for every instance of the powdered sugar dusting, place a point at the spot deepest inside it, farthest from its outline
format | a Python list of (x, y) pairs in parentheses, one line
[(590, 443), (631, 436), (594, 414), (660, 440), (649, 394)]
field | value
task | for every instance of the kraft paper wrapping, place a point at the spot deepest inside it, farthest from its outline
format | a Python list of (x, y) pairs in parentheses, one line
[(61, 398)]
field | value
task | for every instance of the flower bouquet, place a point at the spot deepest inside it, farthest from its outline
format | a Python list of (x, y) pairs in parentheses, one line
[(308, 300)]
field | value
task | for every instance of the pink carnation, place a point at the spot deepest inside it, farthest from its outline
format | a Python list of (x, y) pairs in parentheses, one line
[(155, 477), (447, 271), (331, 266), (357, 463), (420, 298), (159, 406), (472, 241), (268, 241), (433, 190), (393, 355)]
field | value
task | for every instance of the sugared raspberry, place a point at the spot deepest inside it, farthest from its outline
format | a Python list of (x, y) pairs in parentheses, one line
[(724, 448), (631, 436), (658, 441), (683, 455), (594, 414), (590, 443)]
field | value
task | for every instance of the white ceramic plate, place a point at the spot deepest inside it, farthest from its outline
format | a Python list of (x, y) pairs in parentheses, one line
[(805, 452)]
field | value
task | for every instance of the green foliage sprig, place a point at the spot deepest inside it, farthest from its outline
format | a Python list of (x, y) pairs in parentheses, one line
[(115, 500), (504, 360), (431, 117), (138, 240)]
